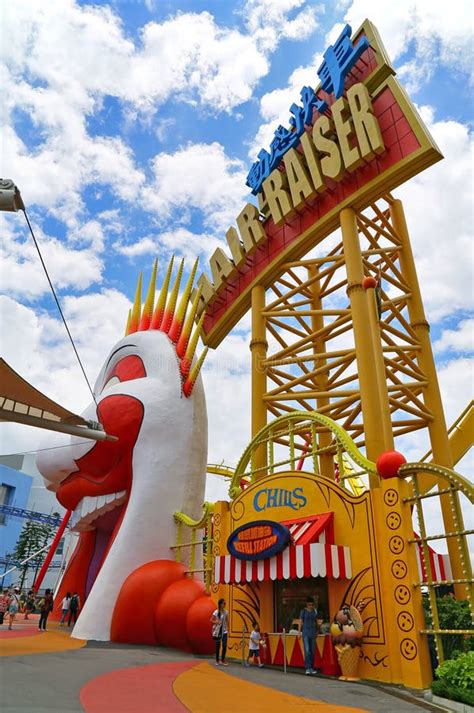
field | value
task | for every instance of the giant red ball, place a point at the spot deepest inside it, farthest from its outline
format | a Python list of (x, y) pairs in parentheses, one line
[(172, 610), (198, 626), (388, 464)]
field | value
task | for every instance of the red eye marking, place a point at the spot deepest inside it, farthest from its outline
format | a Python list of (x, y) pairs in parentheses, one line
[(127, 369)]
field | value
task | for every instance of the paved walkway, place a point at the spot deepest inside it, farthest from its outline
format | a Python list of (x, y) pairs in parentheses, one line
[(52, 673)]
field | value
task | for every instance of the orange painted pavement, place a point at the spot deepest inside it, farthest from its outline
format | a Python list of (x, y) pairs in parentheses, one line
[(148, 689), (177, 687), (205, 688), (26, 639)]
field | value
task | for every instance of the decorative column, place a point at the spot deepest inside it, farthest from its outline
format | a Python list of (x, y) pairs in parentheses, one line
[(450, 506), (326, 461), (258, 348), (374, 403)]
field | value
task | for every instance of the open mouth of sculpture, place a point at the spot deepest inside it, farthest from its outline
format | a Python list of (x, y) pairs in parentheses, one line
[(98, 519), (90, 511), (98, 491)]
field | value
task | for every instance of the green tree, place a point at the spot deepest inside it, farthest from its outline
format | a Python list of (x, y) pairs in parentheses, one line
[(33, 537), (454, 614)]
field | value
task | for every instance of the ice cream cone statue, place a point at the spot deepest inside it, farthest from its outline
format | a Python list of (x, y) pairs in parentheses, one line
[(347, 631)]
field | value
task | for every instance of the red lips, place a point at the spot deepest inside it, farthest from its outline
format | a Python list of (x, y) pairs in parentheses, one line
[(107, 467)]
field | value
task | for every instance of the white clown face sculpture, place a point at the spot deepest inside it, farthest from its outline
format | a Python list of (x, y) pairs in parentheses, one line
[(123, 494)]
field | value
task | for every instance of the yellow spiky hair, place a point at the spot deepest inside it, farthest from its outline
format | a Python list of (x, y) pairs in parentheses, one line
[(165, 317)]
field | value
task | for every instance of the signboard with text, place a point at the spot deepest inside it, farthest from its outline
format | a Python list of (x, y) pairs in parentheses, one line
[(349, 141), (258, 540)]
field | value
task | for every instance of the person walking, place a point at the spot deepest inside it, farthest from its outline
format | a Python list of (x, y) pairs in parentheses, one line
[(46, 605), (254, 645), (65, 608), (4, 601), (30, 604), (74, 606), (220, 630), (307, 629), (13, 606)]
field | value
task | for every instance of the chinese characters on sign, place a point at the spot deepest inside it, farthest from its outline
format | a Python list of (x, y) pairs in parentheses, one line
[(339, 59), (258, 540)]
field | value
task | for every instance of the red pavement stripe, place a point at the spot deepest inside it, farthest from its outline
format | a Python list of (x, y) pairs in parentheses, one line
[(148, 689), (18, 633)]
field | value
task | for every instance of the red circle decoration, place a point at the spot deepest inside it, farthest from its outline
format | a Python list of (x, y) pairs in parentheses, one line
[(133, 617), (171, 613), (198, 627), (369, 282), (388, 464)]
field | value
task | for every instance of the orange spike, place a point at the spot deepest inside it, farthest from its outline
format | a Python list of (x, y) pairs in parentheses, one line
[(178, 319), (191, 380), (137, 307), (171, 304), (160, 305), (188, 327), (127, 327), (149, 302), (187, 360)]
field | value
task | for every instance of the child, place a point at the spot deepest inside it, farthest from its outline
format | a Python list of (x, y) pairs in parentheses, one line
[(254, 645)]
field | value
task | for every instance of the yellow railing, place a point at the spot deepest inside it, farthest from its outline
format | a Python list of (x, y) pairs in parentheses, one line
[(197, 545)]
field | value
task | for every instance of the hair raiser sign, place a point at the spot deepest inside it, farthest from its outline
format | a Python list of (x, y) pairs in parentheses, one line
[(348, 141), (258, 540)]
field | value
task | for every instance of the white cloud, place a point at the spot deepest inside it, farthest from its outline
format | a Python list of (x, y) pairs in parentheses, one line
[(144, 246), (63, 59), (456, 378), (180, 242), (268, 21), (460, 339), (441, 33), (199, 176), (22, 272), (275, 105), (438, 208)]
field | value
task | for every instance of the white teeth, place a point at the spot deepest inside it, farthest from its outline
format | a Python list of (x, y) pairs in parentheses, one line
[(90, 508), (90, 504)]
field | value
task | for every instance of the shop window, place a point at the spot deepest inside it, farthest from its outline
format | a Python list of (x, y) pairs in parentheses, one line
[(6, 497), (290, 598)]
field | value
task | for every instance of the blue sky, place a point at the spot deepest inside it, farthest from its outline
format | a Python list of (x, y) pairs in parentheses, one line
[(130, 127)]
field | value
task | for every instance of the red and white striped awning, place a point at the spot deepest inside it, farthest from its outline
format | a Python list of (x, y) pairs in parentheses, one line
[(304, 557), (440, 564), (305, 530)]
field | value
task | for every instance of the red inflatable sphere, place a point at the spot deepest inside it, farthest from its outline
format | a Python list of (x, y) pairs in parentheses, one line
[(198, 626), (134, 612), (369, 282), (388, 464), (172, 610)]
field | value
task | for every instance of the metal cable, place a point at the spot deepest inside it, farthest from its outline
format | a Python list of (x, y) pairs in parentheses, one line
[(58, 305)]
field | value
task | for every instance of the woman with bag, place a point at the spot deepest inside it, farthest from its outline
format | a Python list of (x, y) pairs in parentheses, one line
[(45, 606), (220, 630)]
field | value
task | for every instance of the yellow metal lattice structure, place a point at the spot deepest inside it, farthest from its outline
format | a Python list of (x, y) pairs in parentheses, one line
[(449, 484)]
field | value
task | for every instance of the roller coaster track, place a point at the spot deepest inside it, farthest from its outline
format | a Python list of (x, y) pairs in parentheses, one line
[(461, 439), (23, 514), (276, 427)]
